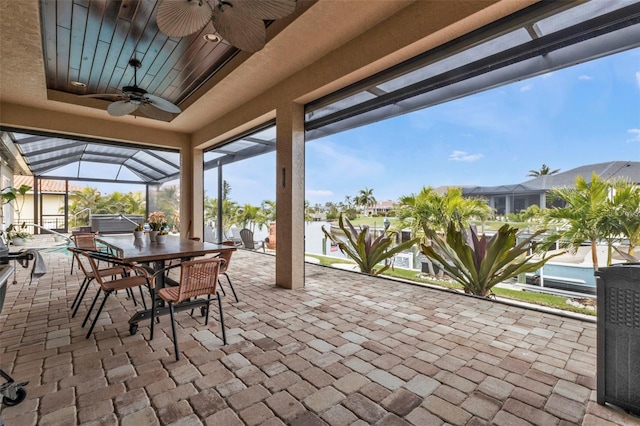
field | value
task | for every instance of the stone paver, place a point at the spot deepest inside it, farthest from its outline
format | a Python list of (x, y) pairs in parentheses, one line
[(347, 349)]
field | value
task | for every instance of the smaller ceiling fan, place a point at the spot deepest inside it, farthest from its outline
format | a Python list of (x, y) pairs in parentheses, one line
[(240, 22), (134, 98)]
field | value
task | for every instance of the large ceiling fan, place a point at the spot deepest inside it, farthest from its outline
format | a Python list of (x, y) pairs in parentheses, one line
[(240, 22), (133, 98)]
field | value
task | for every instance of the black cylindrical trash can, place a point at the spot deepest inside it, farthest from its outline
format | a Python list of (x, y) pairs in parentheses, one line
[(618, 351)]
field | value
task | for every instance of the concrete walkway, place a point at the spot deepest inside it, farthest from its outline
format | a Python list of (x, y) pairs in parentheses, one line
[(347, 350)]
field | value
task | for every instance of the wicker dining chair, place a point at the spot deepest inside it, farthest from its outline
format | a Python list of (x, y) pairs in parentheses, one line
[(139, 277), (197, 278), (85, 241), (226, 257), (111, 270)]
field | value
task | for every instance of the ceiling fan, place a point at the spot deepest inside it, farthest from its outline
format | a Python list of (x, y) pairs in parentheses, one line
[(134, 98), (239, 22)]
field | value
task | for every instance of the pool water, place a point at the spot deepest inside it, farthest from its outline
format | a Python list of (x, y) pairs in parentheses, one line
[(57, 249)]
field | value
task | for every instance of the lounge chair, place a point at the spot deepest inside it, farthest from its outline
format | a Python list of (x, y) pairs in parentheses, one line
[(209, 235), (235, 236), (248, 242)]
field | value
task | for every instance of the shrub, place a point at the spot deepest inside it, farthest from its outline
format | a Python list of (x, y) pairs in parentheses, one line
[(364, 249), (478, 263)]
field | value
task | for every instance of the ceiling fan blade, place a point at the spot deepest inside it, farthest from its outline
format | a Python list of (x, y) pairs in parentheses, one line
[(240, 30), (152, 112), (180, 18), (120, 108), (103, 95), (163, 104), (265, 9)]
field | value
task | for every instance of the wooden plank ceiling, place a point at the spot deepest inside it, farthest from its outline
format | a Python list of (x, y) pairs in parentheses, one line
[(92, 41)]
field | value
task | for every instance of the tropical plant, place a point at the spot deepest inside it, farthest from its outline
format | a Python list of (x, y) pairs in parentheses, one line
[(528, 214), (249, 216), (90, 199), (365, 199), (581, 220), (624, 211), (348, 201), (10, 196), (14, 231), (365, 249), (308, 212), (229, 208), (268, 210), (480, 263), (167, 199), (437, 210), (544, 170)]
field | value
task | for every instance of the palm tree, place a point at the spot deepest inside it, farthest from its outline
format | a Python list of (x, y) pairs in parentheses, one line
[(308, 212), (249, 216), (348, 200), (544, 171), (86, 198), (624, 211), (435, 211), (268, 210), (581, 219), (365, 198), (229, 209)]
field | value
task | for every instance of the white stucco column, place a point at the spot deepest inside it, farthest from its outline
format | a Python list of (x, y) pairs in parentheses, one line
[(290, 196), (543, 200)]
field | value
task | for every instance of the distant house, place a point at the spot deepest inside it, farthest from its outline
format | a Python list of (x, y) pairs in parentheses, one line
[(52, 200), (507, 199), (382, 207)]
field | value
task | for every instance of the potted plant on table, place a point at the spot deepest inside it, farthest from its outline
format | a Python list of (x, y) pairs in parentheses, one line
[(157, 222), (139, 231), (162, 235)]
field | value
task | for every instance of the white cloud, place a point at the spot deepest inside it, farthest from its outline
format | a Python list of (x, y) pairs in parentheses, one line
[(636, 135), (526, 87), (547, 75), (318, 193), (638, 78), (464, 156), (585, 77)]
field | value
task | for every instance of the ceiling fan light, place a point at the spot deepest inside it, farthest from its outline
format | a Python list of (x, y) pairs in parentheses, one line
[(212, 38), (180, 18)]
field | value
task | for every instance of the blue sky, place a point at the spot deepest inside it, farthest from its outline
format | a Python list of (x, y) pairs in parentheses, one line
[(586, 114)]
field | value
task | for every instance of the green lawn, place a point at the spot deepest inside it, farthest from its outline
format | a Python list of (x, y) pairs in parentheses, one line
[(547, 300)]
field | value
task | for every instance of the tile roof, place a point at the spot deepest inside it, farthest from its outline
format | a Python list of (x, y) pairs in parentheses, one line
[(608, 170), (46, 185)]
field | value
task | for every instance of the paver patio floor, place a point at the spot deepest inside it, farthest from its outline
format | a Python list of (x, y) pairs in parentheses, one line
[(348, 349)]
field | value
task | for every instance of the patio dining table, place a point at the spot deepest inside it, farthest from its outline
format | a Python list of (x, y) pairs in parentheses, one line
[(129, 249)]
